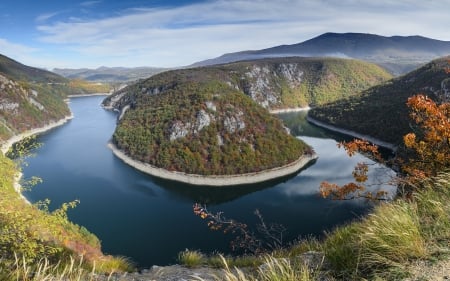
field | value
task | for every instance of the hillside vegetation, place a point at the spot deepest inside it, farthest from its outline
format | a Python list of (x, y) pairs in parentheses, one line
[(204, 127), (30, 235), (381, 111), (203, 120), (278, 83), (32, 97)]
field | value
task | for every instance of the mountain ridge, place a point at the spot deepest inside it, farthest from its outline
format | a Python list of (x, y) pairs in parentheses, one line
[(109, 74), (398, 54)]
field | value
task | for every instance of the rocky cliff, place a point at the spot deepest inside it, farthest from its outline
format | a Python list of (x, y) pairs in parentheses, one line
[(200, 121), (24, 107), (274, 83)]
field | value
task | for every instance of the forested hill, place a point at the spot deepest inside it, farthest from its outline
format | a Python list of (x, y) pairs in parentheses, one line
[(194, 121), (283, 82), (398, 54), (32, 97), (19, 72), (381, 111)]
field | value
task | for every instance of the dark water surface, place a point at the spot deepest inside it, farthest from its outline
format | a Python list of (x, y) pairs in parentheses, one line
[(150, 220)]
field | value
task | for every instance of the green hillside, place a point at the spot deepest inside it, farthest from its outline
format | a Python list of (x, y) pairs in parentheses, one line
[(284, 82), (207, 120), (381, 111), (32, 97), (19, 72), (204, 127), (297, 82)]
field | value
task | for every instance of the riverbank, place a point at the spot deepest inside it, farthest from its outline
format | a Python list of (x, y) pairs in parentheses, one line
[(89, 95), (352, 133), (9, 143), (287, 110), (217, 180)]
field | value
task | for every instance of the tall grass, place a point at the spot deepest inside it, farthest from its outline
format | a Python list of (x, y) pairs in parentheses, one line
[(434, 212), (389, 237), (395, 233), (191, 259), (273, 269), (44, 270)]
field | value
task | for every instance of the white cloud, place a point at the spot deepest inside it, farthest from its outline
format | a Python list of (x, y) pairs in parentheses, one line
[(182, 35), (89, 3), (44, 17), (13, 50)]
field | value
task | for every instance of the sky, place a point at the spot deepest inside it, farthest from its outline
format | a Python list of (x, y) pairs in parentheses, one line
[(93, 33)]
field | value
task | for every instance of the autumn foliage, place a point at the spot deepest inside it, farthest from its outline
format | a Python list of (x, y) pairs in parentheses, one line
[(426, 150), (355, 189), (429, 147)]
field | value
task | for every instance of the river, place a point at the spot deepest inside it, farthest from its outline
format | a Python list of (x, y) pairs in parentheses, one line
[(150, 220)]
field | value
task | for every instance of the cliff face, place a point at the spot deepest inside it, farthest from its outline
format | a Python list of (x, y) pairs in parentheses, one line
[(273, 83), (23, 107), (32, 98), (214, 120), (198, 121)]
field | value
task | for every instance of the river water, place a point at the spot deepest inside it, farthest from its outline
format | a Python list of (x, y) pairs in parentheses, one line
[(150, 220)]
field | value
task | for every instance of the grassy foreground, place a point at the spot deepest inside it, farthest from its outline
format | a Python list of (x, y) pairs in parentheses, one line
[(380, 246), (35, 242)]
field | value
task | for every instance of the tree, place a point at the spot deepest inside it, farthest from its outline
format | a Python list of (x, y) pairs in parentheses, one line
[(429, 146), (426, 151)]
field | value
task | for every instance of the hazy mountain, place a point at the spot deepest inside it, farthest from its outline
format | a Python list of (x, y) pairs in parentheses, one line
[(398, 54), (109, 74), (381, 111)]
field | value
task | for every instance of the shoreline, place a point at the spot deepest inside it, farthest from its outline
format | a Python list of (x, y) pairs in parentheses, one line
[(287, 110), (89, 95), (352, 133), (215, 180), (36, 131), (11, 141)]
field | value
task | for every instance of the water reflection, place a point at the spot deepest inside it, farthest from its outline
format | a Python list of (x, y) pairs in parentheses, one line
[(150, 220), (213, 195)]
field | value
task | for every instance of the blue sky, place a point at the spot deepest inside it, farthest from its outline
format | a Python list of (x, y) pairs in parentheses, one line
[(93, 33)]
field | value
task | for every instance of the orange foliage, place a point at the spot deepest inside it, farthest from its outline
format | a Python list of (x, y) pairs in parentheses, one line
[(430, 147), (427, 150)]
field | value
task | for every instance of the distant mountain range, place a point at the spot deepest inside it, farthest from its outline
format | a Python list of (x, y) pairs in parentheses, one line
[(109, 74), (398, 54)]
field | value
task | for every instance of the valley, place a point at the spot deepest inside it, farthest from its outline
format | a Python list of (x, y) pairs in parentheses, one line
[(251, 132)]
